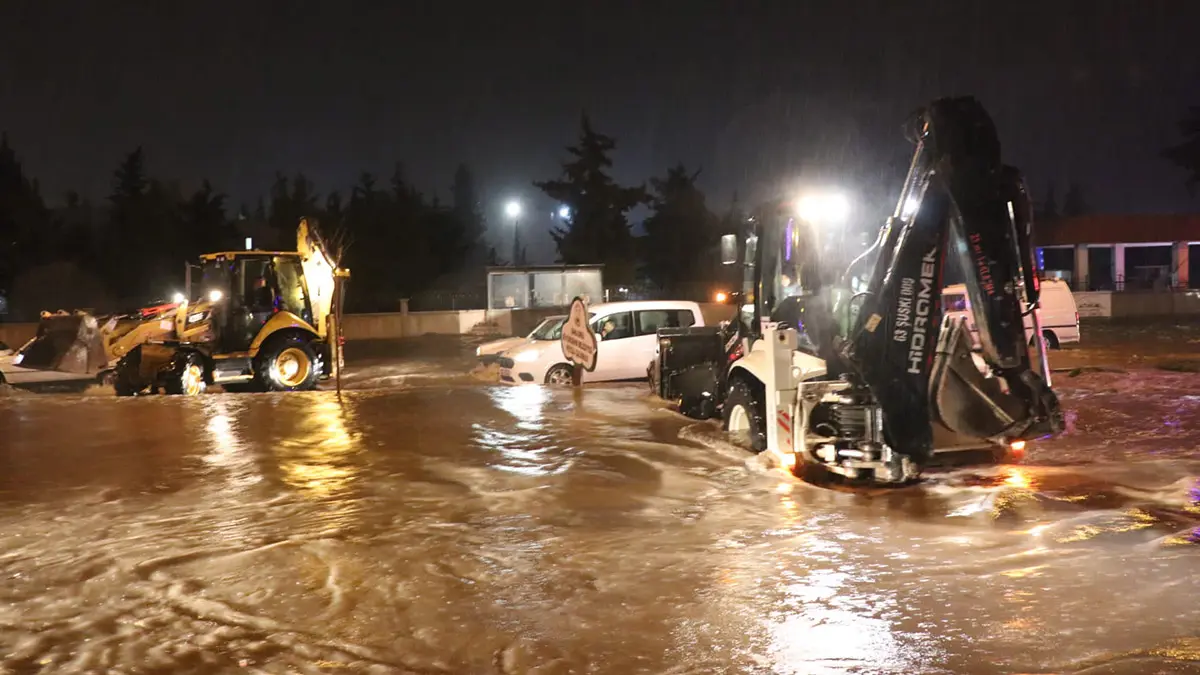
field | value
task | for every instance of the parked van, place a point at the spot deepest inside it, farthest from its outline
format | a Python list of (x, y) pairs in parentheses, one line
[(1057, 311), (626, 336)]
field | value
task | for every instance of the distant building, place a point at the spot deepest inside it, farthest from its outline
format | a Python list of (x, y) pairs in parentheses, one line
[(1121, 252)]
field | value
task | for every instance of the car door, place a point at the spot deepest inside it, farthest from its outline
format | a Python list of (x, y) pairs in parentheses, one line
[(614, 348), (647, 322), (646, 325)]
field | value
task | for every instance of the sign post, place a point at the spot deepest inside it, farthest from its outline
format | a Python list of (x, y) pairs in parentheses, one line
[(578, 341)]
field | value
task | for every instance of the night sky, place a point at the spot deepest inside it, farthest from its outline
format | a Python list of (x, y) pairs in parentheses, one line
[(767, 96)]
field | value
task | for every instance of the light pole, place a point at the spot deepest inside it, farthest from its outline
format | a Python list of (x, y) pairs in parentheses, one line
[(513, 210)]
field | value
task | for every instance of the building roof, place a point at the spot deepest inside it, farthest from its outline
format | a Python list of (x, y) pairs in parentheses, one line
[(1119, 229), (502, 269)]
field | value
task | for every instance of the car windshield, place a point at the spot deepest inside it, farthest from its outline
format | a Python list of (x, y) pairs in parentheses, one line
[(550, 329)]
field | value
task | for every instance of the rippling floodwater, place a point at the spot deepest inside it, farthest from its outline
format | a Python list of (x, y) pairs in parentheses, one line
[(425, 523)]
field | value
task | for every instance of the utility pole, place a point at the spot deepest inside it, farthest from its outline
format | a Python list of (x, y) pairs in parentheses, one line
[(513, 210)]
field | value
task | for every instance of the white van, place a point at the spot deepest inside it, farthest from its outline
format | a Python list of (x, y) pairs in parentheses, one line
[(627, 339), (1057, 311)]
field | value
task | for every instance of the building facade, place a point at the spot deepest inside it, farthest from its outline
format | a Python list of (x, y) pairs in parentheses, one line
[(1121, 252)]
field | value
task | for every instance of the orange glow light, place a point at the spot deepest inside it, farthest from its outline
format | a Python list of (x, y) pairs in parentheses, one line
[(720, 296), (1017, 446)]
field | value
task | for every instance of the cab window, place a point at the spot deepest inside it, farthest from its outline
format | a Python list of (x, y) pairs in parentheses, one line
[(650, 320), (258, 286), (290, 286), (613, 326), (955, 302)]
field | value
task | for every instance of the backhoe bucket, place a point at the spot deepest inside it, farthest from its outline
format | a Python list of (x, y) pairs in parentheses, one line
[(69, 343), (969, 403)]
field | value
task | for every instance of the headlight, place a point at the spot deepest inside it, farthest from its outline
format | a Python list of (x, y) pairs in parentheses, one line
[(479, 351), (215, 295), (526, 356)]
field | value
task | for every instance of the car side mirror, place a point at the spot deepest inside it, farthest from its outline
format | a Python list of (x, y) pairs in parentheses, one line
[(729, 249)]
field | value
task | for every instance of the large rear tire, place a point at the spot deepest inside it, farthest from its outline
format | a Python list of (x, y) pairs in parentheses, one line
[(745, 411), (288, 363)]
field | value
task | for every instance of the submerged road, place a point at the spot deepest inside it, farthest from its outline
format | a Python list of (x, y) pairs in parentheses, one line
[(428, 522)]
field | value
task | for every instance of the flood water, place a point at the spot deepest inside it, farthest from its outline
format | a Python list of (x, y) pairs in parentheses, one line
[(428, 522)]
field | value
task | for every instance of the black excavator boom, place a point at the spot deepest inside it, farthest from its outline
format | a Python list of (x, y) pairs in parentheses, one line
[(958, 199)]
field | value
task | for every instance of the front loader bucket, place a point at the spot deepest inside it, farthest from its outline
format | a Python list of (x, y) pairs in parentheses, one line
[(69, 343)]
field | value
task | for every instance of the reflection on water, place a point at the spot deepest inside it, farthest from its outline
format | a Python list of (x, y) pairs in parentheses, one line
[(318, 459), (520, 441), (1018, 478), (522, 530), (226, 450)]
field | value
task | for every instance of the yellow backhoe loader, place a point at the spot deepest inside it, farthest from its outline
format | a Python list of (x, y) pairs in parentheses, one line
[(79, 348), (255, 320)]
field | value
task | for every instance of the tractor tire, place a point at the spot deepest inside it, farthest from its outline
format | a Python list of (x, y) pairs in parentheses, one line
[(123, 383), (186, 377), (288, 363), (745, 410)]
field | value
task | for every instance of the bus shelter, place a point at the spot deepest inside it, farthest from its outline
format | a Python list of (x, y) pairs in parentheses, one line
[(539, 286)]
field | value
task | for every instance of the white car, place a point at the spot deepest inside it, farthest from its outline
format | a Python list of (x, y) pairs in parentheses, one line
[(1057, 312), (549, 329), (626, 337)]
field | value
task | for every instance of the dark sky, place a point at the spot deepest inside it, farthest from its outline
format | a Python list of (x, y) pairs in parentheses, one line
[(766, 96)]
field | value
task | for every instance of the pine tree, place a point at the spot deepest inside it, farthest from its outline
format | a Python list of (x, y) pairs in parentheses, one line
[(1074, 203), (468, 211), (598, 230), (681, 240), (1186, 155), (1049, 205)]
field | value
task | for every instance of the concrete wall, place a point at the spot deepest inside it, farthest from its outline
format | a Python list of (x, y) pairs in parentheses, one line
[(407, 324), (1094, 304), (392, 325), (1132, 304), (16, 334)]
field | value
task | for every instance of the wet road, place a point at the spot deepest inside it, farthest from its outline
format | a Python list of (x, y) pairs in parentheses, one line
[(431, 523)]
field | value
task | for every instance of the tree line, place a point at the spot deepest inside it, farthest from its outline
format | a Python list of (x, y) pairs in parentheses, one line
[(680, 250), (129, 248)]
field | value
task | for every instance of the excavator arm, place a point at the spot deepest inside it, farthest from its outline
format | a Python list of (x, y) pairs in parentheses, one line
[(959, 199)]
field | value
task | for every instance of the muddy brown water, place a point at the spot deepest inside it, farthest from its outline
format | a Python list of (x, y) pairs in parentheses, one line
[(427, 521)]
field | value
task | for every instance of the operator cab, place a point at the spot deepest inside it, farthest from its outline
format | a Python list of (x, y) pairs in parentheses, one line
[(245, 290), (781, 285)]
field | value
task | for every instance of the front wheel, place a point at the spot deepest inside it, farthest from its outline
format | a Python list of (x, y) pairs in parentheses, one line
[(561, 375), (288, 364), (744, 411), (187, 377)]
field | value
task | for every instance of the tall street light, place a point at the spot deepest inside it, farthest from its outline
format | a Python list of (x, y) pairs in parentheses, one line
[(513, 210)]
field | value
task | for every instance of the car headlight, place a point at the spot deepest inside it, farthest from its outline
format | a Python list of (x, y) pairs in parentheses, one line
[(526, 356)]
